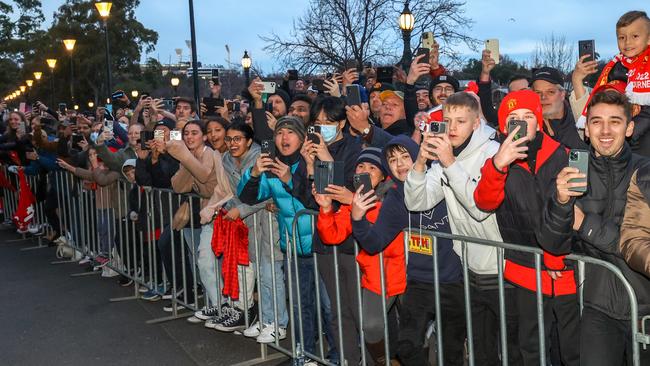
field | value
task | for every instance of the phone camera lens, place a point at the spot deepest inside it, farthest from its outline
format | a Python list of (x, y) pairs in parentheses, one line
[(573, 156)]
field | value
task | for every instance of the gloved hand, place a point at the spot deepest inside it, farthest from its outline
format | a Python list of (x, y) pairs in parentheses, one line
[(133, 216)]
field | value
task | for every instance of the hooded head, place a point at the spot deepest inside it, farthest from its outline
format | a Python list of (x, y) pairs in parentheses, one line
[(521, 99), (394, 148), (128, 170)]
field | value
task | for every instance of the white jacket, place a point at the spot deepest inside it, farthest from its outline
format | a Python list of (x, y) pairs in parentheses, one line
[(456, 184)]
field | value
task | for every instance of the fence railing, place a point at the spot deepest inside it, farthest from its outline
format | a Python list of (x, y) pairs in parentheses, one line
[(101, 222)]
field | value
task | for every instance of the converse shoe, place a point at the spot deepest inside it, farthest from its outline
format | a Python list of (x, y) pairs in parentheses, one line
[(169, 308), (168, 294), (253, 331), (208, 312), (226, 312), (236, 321), (194, 320), (267, 335)]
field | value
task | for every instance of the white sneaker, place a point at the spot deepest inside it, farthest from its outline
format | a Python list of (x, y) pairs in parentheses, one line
[(84, 260), (108, 272), (253, 331), (268, 333), (194, 320)]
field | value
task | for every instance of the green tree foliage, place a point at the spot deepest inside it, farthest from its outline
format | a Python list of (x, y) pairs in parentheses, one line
[(78, 19), (501, 73)]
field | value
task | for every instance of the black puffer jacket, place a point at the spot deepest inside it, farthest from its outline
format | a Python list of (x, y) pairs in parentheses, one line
[(640, 140), (598, 237)]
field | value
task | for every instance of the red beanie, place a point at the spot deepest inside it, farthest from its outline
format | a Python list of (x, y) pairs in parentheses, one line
[(521, 99)]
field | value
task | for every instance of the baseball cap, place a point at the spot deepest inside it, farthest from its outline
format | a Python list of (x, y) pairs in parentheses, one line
[(389, 93), (380, 87), (549, 74)]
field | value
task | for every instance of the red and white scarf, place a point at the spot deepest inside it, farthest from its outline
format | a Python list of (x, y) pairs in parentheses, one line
[(638, 80)]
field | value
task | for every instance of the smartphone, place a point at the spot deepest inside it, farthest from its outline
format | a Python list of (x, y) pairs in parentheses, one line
[(146, 136), (438, 128), (268, 147), (268, 87), (293, 74), (234, 106), (328, 75), (311, 134), (269, 107), (492, 45), (579, 159), (428, 41), (587, 47), (326, 173), (362, 179), (73, 120), (353, 94), (159, 135), (117, 95), (523, 128), (318, 84), (169, 105), (385, 74), (215, 73), (22, 129), (211, 104), (62, 107), (423, 51), (76, 139), (108, 125), (175, 135)]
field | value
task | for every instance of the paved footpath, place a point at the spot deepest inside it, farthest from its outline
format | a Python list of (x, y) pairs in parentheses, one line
[(49, 318)]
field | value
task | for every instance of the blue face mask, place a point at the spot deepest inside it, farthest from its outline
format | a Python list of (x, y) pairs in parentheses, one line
[(93, 136), (328, 132)]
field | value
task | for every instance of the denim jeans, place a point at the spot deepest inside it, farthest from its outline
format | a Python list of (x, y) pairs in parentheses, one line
[(207, 263), (266, 292), (307, 295), (105, 229)]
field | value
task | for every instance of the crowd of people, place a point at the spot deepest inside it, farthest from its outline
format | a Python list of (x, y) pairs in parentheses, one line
[(416, 152)]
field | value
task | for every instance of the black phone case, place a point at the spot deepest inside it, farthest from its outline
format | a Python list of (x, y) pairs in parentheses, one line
[(145, 136), (587, 48), (311, 134), (362, 179), (353, 95), (268, 147), (523, 130), (423, 51), (328, 172)]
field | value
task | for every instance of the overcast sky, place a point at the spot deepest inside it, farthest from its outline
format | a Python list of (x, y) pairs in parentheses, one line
[(518, 25)]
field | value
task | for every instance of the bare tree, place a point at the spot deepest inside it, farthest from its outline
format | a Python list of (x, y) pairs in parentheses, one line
[(447, 20), (333, 32), (554, 51)]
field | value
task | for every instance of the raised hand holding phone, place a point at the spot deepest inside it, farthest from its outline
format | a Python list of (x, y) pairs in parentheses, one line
[(361, 203), (418, 69), (511, 150), (566, 189)]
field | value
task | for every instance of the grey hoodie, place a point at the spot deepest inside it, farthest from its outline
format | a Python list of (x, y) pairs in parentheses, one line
[(256, 217), (456, 185)]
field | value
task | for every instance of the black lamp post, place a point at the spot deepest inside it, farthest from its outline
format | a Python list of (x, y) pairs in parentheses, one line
[(246, 63), (104, 9), (406, 24)]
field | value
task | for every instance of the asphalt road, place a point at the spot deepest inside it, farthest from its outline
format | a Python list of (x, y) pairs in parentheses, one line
[(49, 318)]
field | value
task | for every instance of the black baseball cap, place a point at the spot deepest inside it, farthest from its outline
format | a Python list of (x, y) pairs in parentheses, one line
[(445, 79), (549, 74)]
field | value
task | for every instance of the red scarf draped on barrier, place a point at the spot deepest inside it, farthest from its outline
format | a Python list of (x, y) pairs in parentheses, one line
[(230, 239), (25, 211)]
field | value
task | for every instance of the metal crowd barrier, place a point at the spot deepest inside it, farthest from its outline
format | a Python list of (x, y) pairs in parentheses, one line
[(132, 252)]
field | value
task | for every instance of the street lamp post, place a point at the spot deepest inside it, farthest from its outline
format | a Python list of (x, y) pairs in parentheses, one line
[(406, 24), (175, 82), (195, 67), (51, 63), (246, 64), (104, 9), (69, 46)]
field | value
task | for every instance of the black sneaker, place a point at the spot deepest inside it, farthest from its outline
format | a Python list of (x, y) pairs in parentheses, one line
[(125, 281), (207, 313), (236, 321)]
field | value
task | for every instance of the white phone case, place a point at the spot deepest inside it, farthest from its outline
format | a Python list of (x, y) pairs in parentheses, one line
[(492, 45)]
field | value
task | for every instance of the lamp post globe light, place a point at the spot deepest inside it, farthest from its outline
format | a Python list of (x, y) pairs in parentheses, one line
[(51, 63), (406, 24), (246, 63), (91, 104), (69, 46), (29, 83), (134, 93), (37, 75), (22, 88), (175, 82), (104, 9)]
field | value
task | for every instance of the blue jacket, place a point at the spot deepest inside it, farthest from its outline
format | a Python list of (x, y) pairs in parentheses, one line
[(252, 190)]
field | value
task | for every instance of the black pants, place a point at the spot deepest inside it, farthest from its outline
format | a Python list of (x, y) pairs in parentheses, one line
[(486, 330), (50, 206), (418, 309), (165, 247), (348, 287), (566, 312), (607, 341)]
